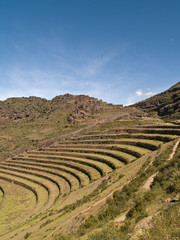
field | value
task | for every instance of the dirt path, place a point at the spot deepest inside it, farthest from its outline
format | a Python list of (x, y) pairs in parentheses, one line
[(151, 178), (149, 182), (120, 219), (174, 150)]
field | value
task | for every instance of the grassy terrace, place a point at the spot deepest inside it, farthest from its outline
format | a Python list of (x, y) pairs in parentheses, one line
[(40, 194), (133, 150), (149, 131), (18, 178), (85, 171), (81, 164), (55, 174), (136, 129), (67, 181), (169, 126), (52, 183), (148, 144), (109, 159), (113, 154), (114, 135), (81, 178), (120, 127)]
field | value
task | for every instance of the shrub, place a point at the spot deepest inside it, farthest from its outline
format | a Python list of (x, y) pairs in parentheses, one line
[(138, 211), (89, 222), (27, 235)]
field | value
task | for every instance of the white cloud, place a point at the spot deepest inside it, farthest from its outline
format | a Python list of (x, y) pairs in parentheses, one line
[(139, 95), (149, 93), (139, 92)]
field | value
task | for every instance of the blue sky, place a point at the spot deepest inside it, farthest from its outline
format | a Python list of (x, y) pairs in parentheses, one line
[(120, 51)]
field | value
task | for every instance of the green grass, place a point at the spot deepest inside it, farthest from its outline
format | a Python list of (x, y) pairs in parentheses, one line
[(139, 150)]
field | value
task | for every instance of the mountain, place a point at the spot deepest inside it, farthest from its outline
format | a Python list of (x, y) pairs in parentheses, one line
[(27, 108), (76, 108), (165, 104)]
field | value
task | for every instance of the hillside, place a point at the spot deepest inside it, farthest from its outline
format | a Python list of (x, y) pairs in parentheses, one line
[(77, 168), (35, 107), (27, 122), (95, 185), (165, 104)]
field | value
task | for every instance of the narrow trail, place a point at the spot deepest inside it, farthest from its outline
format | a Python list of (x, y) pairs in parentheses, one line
[(121, 219), (174, 150), (149, 181), (151, 178)]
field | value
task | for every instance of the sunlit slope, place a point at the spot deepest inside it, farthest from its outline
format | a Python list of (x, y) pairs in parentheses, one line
[(69, 176)]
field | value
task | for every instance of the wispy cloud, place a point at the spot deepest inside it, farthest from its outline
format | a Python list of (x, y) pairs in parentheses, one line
[(65, 77), (93, 67)]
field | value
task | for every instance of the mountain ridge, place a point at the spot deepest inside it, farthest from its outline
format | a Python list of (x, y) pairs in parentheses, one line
[(166, 104)]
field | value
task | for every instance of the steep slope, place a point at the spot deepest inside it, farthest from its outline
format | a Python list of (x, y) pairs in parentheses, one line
[(165, 104)]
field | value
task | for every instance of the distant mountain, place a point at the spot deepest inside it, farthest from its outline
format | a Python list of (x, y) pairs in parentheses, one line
[(73, 108), (24, 108), (165, 104)]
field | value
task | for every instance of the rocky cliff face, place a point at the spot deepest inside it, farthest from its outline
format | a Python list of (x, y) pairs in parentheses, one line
[(76, 107)]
